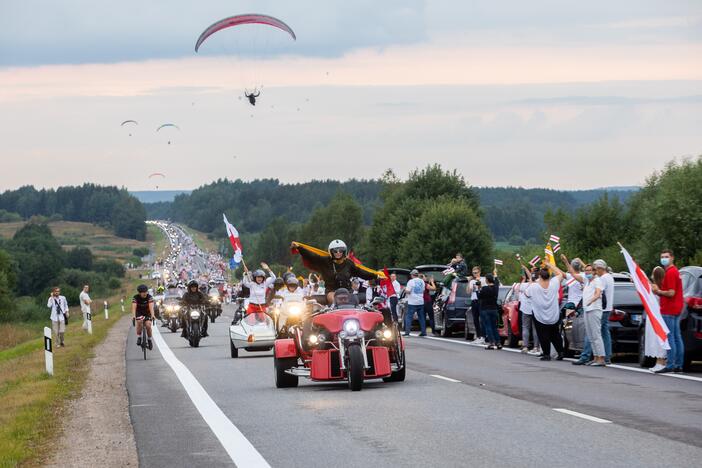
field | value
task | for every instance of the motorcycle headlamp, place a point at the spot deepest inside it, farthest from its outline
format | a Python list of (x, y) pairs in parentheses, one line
[(313, 339), (195, 314), (295, 310), (351, 327), (387, 334)]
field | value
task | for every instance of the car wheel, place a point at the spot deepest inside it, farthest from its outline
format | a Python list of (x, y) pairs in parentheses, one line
[(355, 368), (234, 350), (567, 352), (445, 327), (644, 361), (282, 378)]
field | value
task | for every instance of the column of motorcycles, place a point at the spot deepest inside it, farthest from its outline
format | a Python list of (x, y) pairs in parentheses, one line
[(192, 319)]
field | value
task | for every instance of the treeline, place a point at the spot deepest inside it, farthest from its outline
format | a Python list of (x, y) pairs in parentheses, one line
[(110, 207), (33, 261), (514, 215), (665, 213)]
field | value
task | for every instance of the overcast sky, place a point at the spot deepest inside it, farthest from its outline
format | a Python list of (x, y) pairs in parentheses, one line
[(563, 94)]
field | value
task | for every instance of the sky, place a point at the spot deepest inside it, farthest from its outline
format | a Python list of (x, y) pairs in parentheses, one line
[(545, 93)]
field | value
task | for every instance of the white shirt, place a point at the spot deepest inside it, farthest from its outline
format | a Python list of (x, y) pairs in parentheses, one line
[(575, 290), (589, 292), (57, 313), (397, 287), (545, 301), (415, 291), (85, 301), (258, 291), (608, 289), (296, 296), (471, 285), (524, 300)]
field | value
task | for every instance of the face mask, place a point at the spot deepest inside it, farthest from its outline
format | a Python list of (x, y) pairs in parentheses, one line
[(665, 261), (589, 275)]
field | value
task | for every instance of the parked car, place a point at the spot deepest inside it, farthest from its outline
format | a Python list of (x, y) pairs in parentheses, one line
[(450, 307), (436, 272), (511, 328), (469, 330), (625, 322), (691, 317), (402, 274)]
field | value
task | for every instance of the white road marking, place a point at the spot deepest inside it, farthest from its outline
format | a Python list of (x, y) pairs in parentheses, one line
[(582, 415), (448, 379), (615, 366), (234, 442)]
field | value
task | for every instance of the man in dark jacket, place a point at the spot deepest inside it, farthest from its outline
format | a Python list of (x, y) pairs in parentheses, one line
[(459, 265), (193, 297)]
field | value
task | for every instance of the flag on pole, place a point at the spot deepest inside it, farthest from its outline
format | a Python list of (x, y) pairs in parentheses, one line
[(648, 299), (549, 254), (534, 261), (554, 238), (498, 262), (354, 259), (233, 235), (556, 248), (386, 284)]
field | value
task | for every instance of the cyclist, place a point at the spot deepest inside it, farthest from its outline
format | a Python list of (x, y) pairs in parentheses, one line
[(143, 312)]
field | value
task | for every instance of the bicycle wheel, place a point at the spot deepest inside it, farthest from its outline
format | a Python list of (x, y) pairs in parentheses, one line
[(144, 337)]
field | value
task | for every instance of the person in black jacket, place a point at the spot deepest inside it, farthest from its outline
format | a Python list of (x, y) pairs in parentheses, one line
[(487, 295), (193, 298), (459, 266)]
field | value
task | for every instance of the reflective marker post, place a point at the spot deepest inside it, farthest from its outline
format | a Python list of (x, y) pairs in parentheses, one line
[(89, 316), (121, 301), (48, 351), (107, 314)]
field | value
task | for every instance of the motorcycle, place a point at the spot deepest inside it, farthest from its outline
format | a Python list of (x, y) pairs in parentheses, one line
[(214, 308), (348, 343), (170, 317), (194, 319)]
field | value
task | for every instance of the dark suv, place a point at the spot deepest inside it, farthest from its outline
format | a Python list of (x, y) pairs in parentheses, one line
[(450, 307), (691, 317)]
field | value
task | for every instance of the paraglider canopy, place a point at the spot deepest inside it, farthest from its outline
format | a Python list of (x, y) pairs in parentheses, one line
[(251, 18), (157, 174), (167, 125), (129, 122)]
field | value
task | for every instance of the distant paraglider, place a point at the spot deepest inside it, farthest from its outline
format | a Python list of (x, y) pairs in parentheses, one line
[(129, 123), (158, 175), (167, 125)]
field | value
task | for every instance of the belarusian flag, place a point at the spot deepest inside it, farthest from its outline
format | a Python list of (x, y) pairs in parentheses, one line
[(498, 262), (535, 260), (233, 235), (554, 238)]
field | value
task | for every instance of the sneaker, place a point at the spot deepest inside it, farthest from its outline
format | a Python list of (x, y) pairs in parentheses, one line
[(677, 370), (422, 334), (559, 357), (656, 368), (150, 345), (499, 345), (608, 362), (489, 347), (525, 349), (665, 370), (479, 340), (580, 362), (139, 341), (545, 358), (405, 334), (534, 352), (596, 364)]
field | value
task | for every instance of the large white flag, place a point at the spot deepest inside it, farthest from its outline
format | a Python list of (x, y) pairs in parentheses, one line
[(233, 235), (650, 303)]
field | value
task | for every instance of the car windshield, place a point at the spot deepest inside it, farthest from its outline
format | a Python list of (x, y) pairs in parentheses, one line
[(502, 293), (625, 294), (692, 285), (436, 274), (258, 319)]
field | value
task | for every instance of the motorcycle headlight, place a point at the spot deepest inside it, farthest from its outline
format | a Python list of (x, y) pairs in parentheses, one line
[(387, 334), (313, 339), (351, 327), (177, 307), (295, 310), (195, 314)]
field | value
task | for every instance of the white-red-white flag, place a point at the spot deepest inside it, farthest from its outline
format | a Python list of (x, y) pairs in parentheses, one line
[(650, 303), (498, 261), (554, 238), (233, 235)]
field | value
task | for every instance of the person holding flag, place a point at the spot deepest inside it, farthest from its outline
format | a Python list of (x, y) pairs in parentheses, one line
[(671, 305)]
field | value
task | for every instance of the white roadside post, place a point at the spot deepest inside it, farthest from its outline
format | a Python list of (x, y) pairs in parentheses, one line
[(89, 316), (107, 313), (48, 351), (121, 301)]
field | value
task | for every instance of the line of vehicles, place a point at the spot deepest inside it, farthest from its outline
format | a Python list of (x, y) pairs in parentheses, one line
[(452, 304)]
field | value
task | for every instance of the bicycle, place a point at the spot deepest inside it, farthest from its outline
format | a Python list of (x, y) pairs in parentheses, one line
[(144, 336)]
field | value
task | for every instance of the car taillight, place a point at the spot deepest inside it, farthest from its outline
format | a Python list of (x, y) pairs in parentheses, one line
[(617, 316), (694, 302)]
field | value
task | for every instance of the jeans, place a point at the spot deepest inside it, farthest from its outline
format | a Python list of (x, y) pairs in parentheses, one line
[(676, 355), (393, 307), (415, 309), (529, 331), (475, 311), (488, 318), (429, 312), (586, 355)]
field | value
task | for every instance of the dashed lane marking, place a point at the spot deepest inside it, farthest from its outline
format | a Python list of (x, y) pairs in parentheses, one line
[(448, 379), (582, 415)]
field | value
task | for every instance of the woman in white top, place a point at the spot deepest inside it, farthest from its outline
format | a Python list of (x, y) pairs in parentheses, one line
[(592, 305), (544, 294), (528, 325)]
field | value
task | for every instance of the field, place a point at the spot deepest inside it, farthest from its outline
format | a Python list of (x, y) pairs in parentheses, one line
[(99, 240), (202, 240)]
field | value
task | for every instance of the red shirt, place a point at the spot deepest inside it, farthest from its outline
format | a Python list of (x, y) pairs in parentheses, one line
[(672, 305)]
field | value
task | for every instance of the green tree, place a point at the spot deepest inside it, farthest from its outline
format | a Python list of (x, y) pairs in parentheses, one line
[(80, 258), (444, 227), (342, 219), (7, 282), (38, 256)]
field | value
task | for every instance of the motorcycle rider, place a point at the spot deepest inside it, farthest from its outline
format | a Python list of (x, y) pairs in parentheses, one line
[(336, 268), (143, 306), (292, 291), (258, 283), (193, 298)]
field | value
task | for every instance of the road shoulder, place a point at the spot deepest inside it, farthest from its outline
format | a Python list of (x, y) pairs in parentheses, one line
[(97, 424)]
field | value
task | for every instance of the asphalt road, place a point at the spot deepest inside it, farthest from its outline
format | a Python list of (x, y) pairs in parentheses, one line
[(495, 409)]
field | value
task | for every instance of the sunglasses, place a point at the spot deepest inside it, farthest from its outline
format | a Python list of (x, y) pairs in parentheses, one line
[(338, 251)]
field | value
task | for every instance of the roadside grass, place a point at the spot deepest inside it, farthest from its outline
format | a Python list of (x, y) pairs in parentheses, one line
[(507, 247), (71, 234), (34, 403), (157, 241), (12, 334), (201, 239)]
